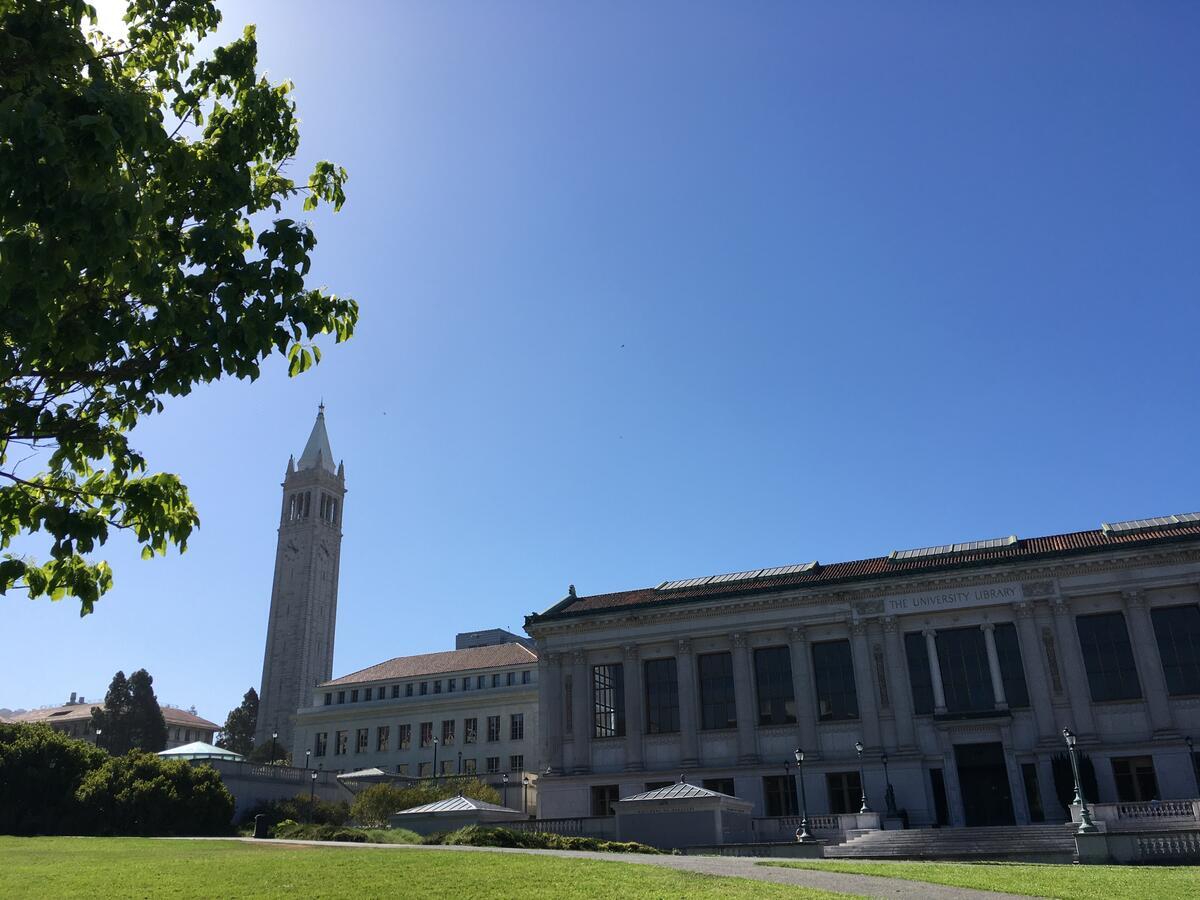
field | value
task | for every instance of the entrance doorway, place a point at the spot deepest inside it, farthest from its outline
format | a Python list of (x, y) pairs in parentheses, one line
[(983, 781)]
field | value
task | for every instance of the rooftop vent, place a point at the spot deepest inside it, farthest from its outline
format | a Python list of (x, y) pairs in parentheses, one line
[(750, 575), (1136, 526), (952, 549)]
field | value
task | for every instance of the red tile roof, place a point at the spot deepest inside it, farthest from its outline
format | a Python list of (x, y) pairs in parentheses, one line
[(490, 657), (73, 712), (1075, 543)]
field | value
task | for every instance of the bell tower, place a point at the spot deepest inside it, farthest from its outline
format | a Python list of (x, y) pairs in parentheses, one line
[(299, 652)]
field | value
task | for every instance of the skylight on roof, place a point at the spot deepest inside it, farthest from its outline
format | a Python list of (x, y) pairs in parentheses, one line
[(749, 575), (952, 549), (1134, 526)]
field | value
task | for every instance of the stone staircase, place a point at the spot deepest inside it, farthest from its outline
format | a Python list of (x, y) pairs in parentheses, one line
[(1030, 843)]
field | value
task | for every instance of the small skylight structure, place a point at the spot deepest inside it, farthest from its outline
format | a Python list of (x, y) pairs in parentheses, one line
[(1135, 526), (749, 575), (952, 549)]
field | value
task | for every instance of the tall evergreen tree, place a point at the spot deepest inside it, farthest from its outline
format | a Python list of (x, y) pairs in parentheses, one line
[(148, 728), (112, 722), (238, 733)]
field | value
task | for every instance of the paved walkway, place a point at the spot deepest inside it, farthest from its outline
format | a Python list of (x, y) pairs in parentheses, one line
[(732, 866)]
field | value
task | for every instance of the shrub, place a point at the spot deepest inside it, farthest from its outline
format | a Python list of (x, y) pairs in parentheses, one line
[(292, 830), (40, 771), (300, 809), (375, 805), (1064, 779), (482, 836), (144, 794)]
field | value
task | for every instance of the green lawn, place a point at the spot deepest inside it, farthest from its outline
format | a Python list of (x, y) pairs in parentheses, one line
[(138, 867), (1066, 882)]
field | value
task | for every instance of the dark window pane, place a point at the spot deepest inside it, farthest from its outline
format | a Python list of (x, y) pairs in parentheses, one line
[(717, 706), (603, 798), (608, 700), (1135, 779), (845, 792), (1011, 670), (662, 696), (779, 795), (1178, 631), (966, 678), (720, 785), (1108, 658), (918, 673), (773, 677), (834, 675)]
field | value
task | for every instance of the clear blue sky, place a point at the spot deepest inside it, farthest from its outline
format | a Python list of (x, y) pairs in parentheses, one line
[(660, 290)]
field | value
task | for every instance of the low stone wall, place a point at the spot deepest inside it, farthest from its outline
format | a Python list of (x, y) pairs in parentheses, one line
[(601, 827), (255, 783), (1140, 847), (793, 850)]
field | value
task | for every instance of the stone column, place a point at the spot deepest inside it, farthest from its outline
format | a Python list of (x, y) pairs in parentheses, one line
[(993, 658), (685, 669), (550, 708), (898, 676), (581, 710), (1035, 669), (743, 694), (1149, 663), (806, 714), (1078, 691), (864, 685), (935, 671), (633, 709)]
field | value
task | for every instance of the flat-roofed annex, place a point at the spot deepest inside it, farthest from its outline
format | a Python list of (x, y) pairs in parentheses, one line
[(494, 656)]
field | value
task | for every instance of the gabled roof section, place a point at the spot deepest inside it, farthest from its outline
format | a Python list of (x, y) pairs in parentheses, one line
[(456, 804), (317, 453), (1139, 533), (679, 791), (493, 656)]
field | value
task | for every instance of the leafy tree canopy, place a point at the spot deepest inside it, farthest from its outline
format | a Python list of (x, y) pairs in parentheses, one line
[(131, 718), (238, 733), (373, 806), (143, 251)]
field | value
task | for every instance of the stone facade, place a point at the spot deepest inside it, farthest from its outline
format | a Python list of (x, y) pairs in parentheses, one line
[(962, 667), (300, 630)]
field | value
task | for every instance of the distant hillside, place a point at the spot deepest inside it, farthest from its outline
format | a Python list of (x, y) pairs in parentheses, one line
[(6, 713)]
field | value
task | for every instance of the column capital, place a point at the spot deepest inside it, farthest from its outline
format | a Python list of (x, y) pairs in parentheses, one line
[(738, 639), (859, 628), (1059, 606), (1134, 599), (631, 652), (797, 634), (929, 632), (546, 660), (987, 627), (579, 657), (684, 646), (889, 624), (1024, 609)]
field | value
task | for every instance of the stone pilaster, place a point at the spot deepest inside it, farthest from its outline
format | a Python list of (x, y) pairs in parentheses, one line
[(550, 710), (935, 671), (901, 696), (868, 708), (802, 688), (743, 693), (685, 666), (1149, 663), (633, 708), (1074, 673), (1035, 670), (993, 658), (581, 708)]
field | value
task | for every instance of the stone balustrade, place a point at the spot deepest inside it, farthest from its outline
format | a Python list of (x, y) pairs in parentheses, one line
[(602, 827), (1153, 813)]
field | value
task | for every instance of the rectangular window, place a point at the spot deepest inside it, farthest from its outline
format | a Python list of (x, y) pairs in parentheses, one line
[(516, 727), (328, 699), (779, 795), (362, 739), (773, 679), (1012, 670), (354, 696), (493, 734), (437, 686), (425, 769), (604, 798), (341, 696), (447, 767), (510, 679), (404, 737), (320, 744), (424, 688), (495, 679), (470, 731), (426, 734), (717, 707), (408, 690), (525, 677), (1177, 629), (608, 700), (367, 695), (383, 737), (341, 743), (720, 785), (833, 670), (395, 691), (468, 767), (466, 682), (493, 765), (451, 685), (1108, 658), (447, 732), (480, 683), (1136, 782), (966, 678), (662, 696), (516, 762), (845, 792), (918, 673), (401, 768)]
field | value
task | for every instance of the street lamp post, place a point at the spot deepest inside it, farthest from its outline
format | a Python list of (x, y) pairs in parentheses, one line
[(504, 781), (307, 754), (1086, 825), (274, 735), (862, 777), (312, 787), (100, 731), (435, 746), (889, 795), (1191, 755), (802, 834), (525, 794)]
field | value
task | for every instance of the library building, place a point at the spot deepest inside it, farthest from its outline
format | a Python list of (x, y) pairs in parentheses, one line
[(931, 685)]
